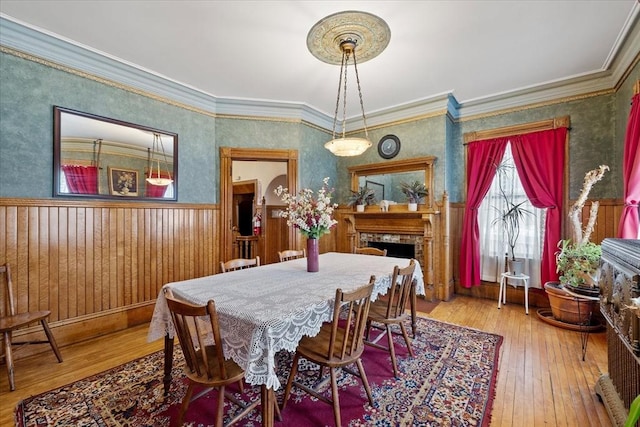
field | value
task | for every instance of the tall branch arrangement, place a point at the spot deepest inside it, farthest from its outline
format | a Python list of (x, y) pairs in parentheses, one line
[(581, 236)]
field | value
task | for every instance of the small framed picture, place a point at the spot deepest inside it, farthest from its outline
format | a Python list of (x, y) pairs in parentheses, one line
[(123, 182), (377, 188)]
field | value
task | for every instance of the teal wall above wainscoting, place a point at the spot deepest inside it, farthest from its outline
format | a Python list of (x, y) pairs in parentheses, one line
[(314, 162), (30, 89), (590, 140), (418, 138)]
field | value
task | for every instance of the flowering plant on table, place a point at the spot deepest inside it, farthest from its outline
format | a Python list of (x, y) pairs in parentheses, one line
[(313, 216)]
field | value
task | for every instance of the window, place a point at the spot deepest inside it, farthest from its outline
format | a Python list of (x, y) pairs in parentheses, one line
[(493, 244), (539, 149)]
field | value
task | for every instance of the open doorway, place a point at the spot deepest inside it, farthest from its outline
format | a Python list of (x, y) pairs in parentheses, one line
[(244, 203), (227, 206)]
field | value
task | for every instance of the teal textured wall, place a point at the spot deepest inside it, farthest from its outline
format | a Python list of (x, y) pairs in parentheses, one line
[(29, 91), (590, 143), (622, 108), (426, 137), (314, 161)]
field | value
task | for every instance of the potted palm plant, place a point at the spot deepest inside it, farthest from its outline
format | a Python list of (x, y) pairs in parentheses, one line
[(415, 192), (363, 196), (511, 214)]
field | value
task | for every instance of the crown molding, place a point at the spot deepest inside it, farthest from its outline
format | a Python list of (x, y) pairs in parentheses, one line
[(540, 94), (42, 44), (627, 47), (242, 107), (37, 42)]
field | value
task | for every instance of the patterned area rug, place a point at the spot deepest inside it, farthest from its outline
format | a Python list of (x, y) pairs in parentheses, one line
[(451, 381)]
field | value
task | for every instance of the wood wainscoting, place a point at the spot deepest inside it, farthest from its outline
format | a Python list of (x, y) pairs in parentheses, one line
[(99, 265), (606, 226)]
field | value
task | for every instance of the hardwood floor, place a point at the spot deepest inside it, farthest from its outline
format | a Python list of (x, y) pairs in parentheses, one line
[(542, 378)]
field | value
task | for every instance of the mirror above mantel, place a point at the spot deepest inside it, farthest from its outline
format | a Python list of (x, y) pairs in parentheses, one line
[(385, 178), (99, 157)]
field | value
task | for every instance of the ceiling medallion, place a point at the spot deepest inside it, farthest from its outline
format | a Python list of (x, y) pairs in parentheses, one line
[(335, 40), (370, 33)]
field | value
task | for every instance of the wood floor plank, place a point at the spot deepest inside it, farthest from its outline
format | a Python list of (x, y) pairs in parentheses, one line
[(542, 379)]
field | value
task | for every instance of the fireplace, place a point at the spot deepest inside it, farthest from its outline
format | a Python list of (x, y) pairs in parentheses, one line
[(398, 250), (397, 245), (422, 235)]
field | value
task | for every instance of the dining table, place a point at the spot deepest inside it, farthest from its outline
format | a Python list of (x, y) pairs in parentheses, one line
[(266, 309)]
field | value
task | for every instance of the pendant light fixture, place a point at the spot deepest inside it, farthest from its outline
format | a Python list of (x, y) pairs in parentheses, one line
[(335, 40), (155, 155)]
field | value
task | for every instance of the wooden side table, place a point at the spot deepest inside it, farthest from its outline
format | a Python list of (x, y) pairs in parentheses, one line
[(502, 296)]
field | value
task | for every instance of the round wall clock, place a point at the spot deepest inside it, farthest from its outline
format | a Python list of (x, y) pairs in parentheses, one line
[(389, 146)]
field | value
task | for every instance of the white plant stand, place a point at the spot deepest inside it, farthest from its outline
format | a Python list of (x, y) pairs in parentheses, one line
[(502, 296)]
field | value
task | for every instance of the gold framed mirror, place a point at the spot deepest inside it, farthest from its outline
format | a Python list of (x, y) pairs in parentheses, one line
[(387, 177)]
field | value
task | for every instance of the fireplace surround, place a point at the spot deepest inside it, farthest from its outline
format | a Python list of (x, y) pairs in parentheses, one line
[(397, 245), (422, 235), (425, 230)]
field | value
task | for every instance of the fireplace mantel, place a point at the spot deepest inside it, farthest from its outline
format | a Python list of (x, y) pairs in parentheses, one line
[(427, 227), (400, 222)]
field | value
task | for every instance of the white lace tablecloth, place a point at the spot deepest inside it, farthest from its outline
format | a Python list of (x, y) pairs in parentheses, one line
[(266, 309)]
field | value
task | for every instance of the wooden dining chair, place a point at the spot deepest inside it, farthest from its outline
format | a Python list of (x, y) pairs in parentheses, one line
[(291, 254), (338, 344), (10, 320), (392, 311), (205, 364), (239, 264), (369, 250)]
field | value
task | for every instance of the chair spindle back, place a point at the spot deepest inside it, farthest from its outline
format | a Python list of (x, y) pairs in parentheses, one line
[(194, 333), (350, 331), (400, 291)]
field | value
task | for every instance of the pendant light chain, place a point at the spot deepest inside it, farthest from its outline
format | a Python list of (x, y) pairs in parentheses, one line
[(335, 115), (345, 53), (364, 117), (348, 48)]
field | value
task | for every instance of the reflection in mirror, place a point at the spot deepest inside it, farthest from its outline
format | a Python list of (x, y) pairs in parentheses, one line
[(387, 186), (385, 178), (105, 158)]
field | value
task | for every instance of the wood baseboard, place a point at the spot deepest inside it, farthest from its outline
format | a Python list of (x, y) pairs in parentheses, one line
[(537, 297), (81, 328)]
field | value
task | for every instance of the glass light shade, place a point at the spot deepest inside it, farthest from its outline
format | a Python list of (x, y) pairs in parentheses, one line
[(161, 182), (345, 147)]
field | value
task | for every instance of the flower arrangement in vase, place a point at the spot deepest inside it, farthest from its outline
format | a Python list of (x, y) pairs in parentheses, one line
[(310, 213)]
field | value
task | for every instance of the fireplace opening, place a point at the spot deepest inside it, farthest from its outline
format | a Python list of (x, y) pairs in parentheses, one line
[(398, 250)]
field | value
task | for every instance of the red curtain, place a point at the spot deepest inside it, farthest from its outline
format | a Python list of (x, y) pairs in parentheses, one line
[(81, 179), (155, 190), (539, 160), (630, 221), (482, 156)]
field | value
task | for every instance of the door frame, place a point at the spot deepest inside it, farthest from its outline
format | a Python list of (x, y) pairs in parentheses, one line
[(227, 156)]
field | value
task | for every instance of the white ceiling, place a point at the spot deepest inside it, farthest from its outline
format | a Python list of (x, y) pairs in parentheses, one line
[(257, 49)]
